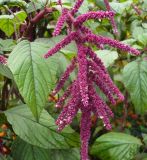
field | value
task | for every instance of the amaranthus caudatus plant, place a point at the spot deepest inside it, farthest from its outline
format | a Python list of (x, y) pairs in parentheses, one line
[(81, 94)]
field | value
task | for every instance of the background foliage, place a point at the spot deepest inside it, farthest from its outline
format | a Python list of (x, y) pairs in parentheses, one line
[(27, 112)]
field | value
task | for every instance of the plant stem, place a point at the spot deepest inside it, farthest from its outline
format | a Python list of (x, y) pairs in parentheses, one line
[(34, 21)]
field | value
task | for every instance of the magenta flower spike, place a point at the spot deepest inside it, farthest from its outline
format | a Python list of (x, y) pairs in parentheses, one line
[(104, 88), (59, 2), (113, 43), (93, 15), (3, 60), (64, 96), (113, 23), (137, 10), (85, 129), (85, 30), (65, 76), (62, 44), (82, 74), (81, 94), (76, 7), (60, 22), (106, 79), (70, 110), (96, 59), (99, 108)]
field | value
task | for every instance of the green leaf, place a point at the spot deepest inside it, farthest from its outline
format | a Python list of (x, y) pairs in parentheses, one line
[(144, 138), (20, 3), (141, 156), (37, 4), (5, 71), (144, 25), (6, 24), (129, 41), (135, 80), (144, 5), (84, 8), (121, 7), (33, 7), (108, 57), (24, 151), (116, 146), (143, 38), (100, 4), (6, 45), (34, 75), (136, 31), (42, 134), (20, 17), (4, 157), (9, 23)]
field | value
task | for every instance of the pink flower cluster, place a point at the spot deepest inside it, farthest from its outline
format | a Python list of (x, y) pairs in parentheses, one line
[(137, 10), (3, 60), (81, 94)]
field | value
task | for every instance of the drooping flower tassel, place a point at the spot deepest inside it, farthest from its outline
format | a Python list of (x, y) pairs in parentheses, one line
[(92, 15), (85, 131), (65, 76), (3, 60), (101, 110), (82, 74), (106, 79), (60, 22), (92, 38), (113, 23), (137, 10), (76, 7), (81, 94), (103, 87), (64, 96), (70, 110)]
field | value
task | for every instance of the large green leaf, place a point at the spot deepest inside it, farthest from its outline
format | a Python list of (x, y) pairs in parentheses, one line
[(116, 146), (135, 80), (137, 31), (42, 134), (108, 57), (6, 24), (25, 151), (5, 71), (10, 23), (34, 75), (6, 45), (121, 7), (19, 17)]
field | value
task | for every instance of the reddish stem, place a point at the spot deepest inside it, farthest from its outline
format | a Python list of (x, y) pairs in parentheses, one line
[(41, 15), (34, 21)]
